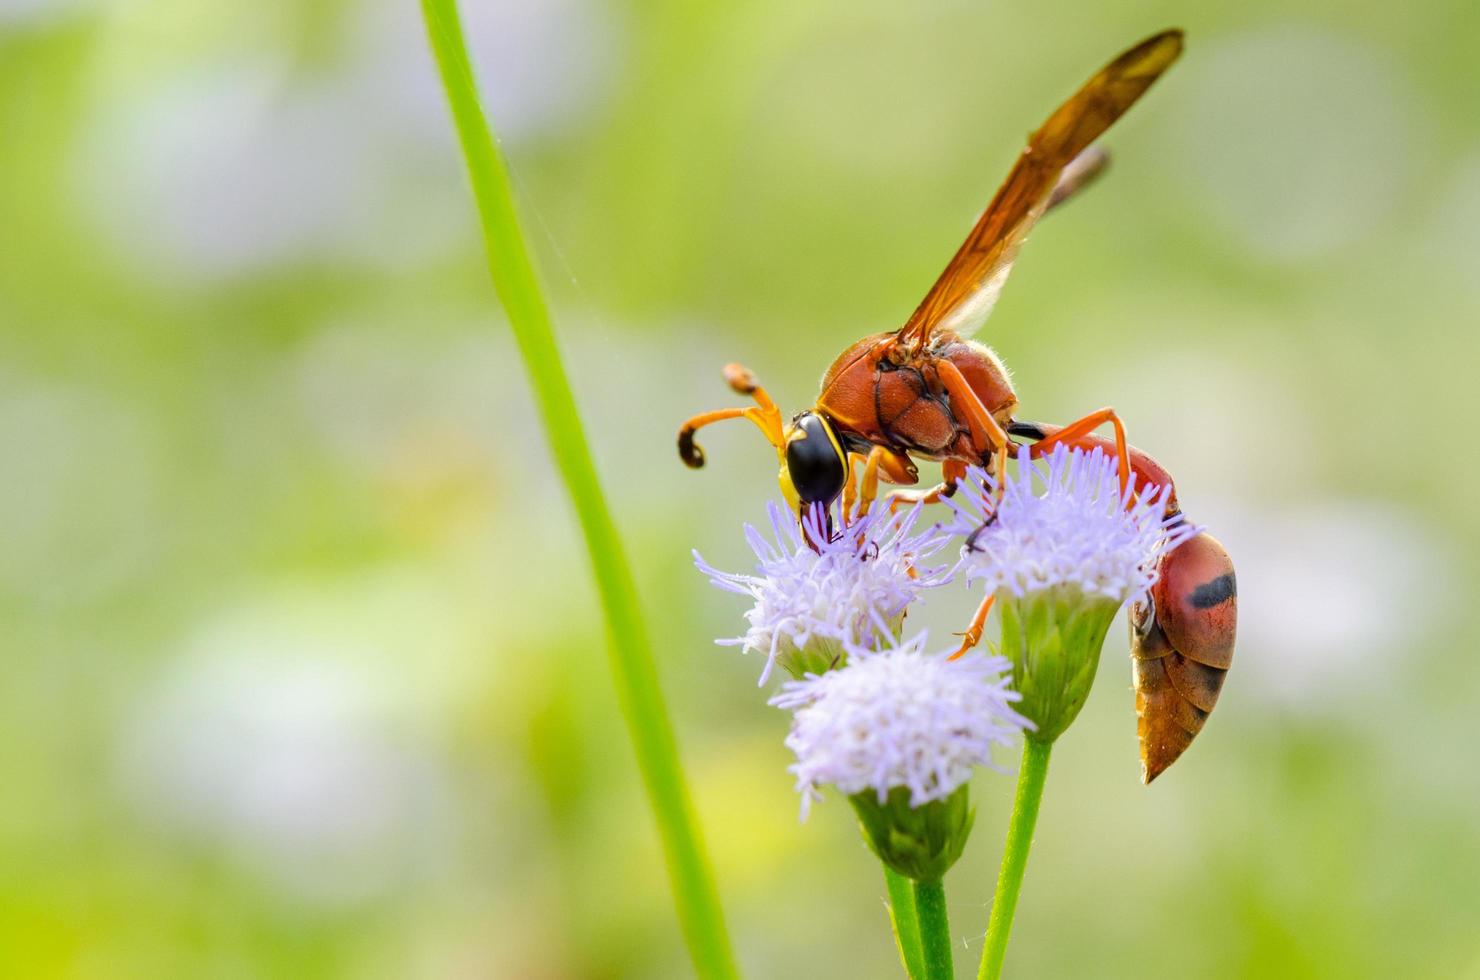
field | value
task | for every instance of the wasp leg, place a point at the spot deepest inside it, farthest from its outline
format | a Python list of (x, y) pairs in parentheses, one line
[(973, 633), (896, 468), (765, 415), (1150, 475), (850, 485), (999, 477), (870, 483), (986, 434), (1073, 434), (951, 473)]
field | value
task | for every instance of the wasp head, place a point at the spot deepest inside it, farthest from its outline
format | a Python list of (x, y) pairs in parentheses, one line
[(815, 466)]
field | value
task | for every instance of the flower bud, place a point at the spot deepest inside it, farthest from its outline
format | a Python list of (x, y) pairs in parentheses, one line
[(919, 842), (1053, 638)]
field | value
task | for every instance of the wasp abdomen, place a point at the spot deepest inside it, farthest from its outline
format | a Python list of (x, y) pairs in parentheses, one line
[(1181, 648)]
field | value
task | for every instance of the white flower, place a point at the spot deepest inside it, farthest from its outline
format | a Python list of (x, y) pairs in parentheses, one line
[(835, 589), (1080, 530), (899, 718)]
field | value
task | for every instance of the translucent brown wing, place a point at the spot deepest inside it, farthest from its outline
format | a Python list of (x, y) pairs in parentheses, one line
[(966, 291)]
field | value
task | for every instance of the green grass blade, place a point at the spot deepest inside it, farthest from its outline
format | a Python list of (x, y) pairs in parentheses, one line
[(631, 657)]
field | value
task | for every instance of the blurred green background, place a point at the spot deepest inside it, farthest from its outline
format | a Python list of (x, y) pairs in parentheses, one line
[(303, 674)]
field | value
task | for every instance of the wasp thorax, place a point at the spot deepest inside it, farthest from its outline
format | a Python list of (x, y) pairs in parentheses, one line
[(816, 466)]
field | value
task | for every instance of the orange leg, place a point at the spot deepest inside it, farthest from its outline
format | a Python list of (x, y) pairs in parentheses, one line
[(869, 485), (973, 633), (1075, 431), (765, 415), (1150, 476), (895, 467), (999, 477), (986, 434), (850, 486), (951, 472)]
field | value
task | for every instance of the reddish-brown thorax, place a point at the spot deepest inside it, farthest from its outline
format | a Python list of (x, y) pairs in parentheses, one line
[(880, 392)]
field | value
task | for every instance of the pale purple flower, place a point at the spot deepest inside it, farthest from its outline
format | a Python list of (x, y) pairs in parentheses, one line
[(1064, 521), (840, 587), (899, 717)]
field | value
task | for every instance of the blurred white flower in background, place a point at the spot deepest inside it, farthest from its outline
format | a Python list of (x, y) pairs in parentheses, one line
[(229, 167), (285, 766), (1333, 596), (300, 736), (542, 67), (234, 162), (39, 13)]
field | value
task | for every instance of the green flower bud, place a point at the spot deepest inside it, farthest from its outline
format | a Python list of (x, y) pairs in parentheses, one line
[(920, 842), (1053, 639), (817, 656), (821, 654)]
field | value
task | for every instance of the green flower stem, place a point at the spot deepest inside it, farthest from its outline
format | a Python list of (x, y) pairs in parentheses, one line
[(631, 657), (1031, 774), (902, 916), (935, 930)]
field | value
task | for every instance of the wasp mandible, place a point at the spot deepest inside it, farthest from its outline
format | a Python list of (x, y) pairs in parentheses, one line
[(928, 390)]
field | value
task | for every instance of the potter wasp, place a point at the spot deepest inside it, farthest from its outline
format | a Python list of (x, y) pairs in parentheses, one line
[(929, 391)]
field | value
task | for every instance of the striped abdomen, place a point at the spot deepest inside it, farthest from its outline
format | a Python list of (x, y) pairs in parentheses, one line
[(1181, 648)]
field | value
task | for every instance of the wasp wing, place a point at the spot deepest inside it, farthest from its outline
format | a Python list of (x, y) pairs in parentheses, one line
[(968, 288)]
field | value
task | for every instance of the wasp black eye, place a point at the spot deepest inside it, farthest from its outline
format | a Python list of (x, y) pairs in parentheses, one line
[(814, 462)]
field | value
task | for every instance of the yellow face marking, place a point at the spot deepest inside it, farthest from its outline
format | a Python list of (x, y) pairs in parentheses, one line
[(788, 490), (832, 437)]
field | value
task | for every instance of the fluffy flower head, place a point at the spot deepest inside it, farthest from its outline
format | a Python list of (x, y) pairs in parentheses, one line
[(819, 590), (1077, 530), (899, 717)]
